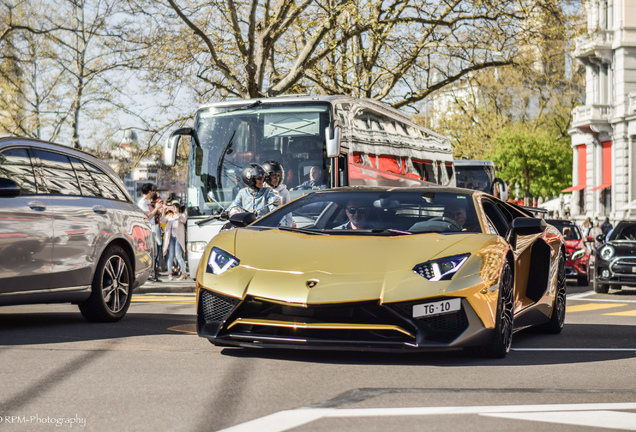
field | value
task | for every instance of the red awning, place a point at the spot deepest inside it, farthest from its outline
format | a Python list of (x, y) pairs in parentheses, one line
[(603, 186), (574, 188)]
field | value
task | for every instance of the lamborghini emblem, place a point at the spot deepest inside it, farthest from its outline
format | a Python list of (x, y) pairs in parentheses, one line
[(311, 283)]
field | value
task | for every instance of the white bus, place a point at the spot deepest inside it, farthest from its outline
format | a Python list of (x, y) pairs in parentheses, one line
[(353, 141), (480, 175)]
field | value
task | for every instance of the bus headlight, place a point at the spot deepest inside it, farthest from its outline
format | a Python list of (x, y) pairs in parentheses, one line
[(198, 246), (220, 261)]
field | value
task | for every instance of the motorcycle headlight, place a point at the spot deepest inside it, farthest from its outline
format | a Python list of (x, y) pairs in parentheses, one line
[(579, 253), (441, 269), (606, 252), (220, 261)]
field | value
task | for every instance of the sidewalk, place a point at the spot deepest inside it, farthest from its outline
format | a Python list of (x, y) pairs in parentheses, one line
[(167, 286)]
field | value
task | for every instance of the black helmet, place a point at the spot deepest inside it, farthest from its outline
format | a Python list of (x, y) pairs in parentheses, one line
[(250, 173), (273, 167)]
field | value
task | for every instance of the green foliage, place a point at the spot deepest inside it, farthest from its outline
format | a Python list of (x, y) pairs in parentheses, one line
[(535, 159)]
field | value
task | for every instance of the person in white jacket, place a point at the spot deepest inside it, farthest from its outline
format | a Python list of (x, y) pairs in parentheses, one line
[(174, 237), (274, 175)]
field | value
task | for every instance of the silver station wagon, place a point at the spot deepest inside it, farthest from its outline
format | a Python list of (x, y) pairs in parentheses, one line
[(69, 231)]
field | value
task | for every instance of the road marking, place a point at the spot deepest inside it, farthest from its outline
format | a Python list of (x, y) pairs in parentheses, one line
[(576, 349), (552, 413), (601, 419), (592, 306), (184, 328), (586, 294), (145, 298), (624, 313)]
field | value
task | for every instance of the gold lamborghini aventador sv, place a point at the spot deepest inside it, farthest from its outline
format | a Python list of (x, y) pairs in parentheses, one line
[(383, 269)]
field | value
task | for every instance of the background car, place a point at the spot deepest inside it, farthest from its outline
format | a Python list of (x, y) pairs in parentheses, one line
[(615, 263), (69, 232), (577, 264), (402, 269)]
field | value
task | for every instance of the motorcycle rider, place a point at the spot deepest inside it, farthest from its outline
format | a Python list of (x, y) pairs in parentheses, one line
[(274, 178), (255, 197)]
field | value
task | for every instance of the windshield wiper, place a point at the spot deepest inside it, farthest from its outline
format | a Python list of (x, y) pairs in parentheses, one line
[(302, 230), (207, 220), (246, 107)]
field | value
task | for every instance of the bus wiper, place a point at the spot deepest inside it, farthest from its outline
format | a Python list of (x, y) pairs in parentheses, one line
[(302, 230), (250, 106)]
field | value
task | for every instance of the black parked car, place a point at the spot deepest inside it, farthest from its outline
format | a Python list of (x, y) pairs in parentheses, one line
[(616, 259)]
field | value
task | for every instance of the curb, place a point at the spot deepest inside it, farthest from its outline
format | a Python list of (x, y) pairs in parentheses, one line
[(154, 288), (167, 286)]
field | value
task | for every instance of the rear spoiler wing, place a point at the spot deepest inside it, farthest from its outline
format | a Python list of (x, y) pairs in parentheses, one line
[(530, 211)]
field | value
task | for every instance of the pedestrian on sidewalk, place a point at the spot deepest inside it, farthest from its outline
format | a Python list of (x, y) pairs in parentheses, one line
[(151, 209), (174, 237)]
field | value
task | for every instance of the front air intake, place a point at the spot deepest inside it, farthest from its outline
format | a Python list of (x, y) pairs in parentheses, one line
[(216, 307)]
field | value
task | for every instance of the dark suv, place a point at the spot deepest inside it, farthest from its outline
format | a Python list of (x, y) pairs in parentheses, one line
[(616, 259), (69, 231)]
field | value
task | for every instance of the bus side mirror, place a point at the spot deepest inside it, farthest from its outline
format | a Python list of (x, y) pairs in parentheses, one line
[(172, 145), (500, 190), (333, 144)]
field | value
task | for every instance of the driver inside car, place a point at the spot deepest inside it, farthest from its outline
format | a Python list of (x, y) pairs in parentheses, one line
[(457, 213), (358, 213)]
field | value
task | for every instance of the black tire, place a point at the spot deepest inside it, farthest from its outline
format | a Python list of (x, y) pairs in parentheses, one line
[(599, 287), (500, 344), (557, 320), (111, 288)]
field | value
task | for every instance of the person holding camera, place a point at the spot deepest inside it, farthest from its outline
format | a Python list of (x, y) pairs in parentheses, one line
[(174, 237)]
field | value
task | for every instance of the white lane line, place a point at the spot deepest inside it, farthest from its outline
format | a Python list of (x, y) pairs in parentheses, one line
[(285, 420), (586, 294), (601, 419), (577, 349), (281, 421)]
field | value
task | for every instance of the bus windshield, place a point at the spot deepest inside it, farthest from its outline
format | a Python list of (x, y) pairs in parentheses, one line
[(478, 177), (231, 137)]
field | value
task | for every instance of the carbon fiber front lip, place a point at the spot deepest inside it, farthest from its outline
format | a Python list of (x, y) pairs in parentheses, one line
[(475, 334)]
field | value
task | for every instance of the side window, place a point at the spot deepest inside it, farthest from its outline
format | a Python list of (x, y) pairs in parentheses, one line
[(107, 187), (58, 173), (429, 172), (495, 218), (15, 164), (506, 212), (86, 181)]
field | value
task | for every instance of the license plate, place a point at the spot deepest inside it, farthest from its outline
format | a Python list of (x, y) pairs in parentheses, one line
[(436, 308)]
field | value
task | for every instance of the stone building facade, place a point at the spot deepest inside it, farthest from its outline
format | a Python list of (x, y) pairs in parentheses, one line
[(604, 129)]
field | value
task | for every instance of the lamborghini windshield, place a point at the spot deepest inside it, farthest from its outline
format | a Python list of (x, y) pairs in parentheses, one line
[(377, 212)]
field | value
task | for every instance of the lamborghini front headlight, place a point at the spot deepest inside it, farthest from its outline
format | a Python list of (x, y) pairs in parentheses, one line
[(220, 261), (441, 269)]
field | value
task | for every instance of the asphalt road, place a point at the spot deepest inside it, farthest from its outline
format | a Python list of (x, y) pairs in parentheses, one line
[(150, 372)]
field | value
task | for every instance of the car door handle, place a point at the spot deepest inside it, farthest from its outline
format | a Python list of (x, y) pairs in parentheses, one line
[(99, 209), (37, 206)]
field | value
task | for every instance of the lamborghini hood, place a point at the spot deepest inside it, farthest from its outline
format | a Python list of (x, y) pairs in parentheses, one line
[(293, 267)]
